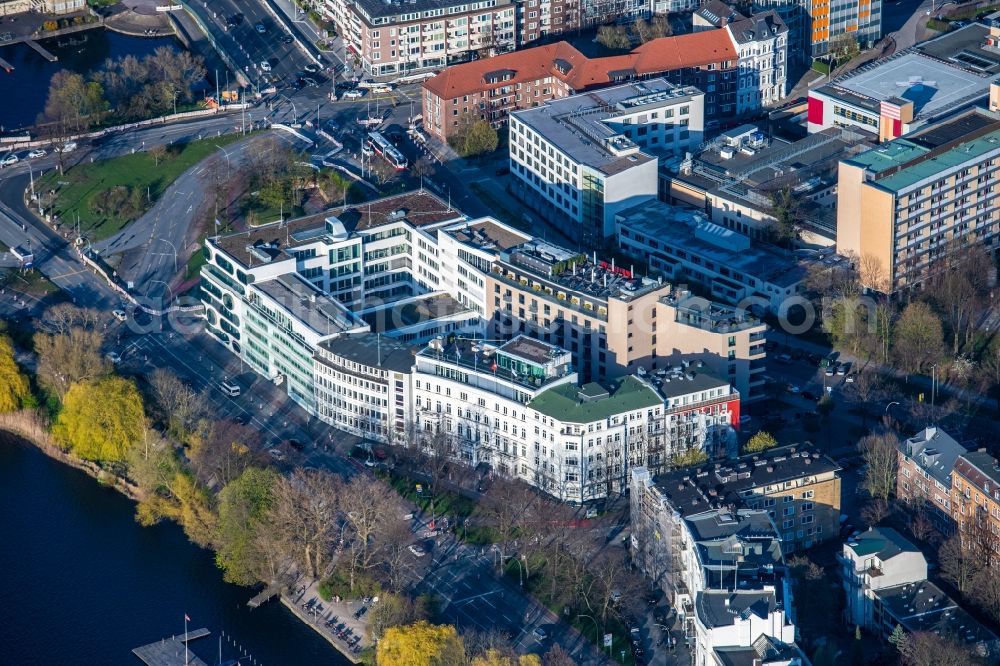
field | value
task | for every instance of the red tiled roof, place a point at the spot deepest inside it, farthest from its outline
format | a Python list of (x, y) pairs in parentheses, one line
[(528, 65), (660, 55), (691, 50)]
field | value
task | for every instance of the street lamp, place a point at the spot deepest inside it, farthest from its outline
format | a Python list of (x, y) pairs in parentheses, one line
[(165, 285), (894, 402), (597, 628), (228, 164)]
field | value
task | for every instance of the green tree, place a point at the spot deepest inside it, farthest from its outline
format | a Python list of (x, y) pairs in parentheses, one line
[(690, 458), (919, 339), (420, 644), (786, 210), (244, 505), (761, 441), (480, 139), (101, 420), (74, 104), (14, 389)]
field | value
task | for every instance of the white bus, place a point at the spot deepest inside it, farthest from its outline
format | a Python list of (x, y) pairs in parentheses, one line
[(384, 147)]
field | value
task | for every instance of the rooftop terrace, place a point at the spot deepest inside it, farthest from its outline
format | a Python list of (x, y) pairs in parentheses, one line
[(483, 357), (593, 402)]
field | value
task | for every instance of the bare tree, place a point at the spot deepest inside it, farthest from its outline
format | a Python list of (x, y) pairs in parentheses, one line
[(610, 581), (224, 450), (67, 358), (879, 453), (928, 648), (306, 510), (368, 506), (958, 565), (867, 388), (557, 657), (64, 317), (503, 510), (875, 511), (181, 404)]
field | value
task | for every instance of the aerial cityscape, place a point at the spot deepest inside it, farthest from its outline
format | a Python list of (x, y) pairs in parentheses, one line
[(500, 333)]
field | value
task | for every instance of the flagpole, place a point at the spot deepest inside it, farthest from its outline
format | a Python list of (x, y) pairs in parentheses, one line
[(185, 639)]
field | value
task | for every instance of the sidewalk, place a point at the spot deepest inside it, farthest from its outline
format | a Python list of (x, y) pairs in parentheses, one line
[(333, 620)]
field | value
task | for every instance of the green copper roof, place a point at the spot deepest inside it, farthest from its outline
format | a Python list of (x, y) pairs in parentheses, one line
[(901, 152), (563, 402)]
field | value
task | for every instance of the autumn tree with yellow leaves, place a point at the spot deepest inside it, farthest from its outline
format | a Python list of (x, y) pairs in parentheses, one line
[(421, 644), (14, 388), (101, 420)]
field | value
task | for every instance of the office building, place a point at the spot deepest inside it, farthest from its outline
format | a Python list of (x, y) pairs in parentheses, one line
[(362, 384), (740, 68), (821, 28), (682, 246), (734, 177), (923, 476), (615, 322), (397, 38), (580, 159), (721, 568), (519, 407), (903, 207), (894, 96)]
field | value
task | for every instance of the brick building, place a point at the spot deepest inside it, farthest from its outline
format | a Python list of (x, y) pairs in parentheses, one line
[(493, 88), (924, 473)]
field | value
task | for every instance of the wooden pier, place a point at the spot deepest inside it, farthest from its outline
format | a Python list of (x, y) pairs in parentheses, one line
[(265, 594), (41, 50), (170, 651)]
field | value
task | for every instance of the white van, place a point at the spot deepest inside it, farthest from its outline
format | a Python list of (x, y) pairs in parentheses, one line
[(231, 389)]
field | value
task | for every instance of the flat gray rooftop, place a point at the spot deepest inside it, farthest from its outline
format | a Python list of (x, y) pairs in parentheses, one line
[(322, 314), (578, 125), (934, 86)]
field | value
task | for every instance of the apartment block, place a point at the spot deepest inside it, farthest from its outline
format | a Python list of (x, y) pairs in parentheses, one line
[(538, 19), (615, 322), (906, 205), (797, 486), (924, 84), (581, 159), (925, 465), (722, 569), (975, 500), (520, 408), (761, 42), (399, 37), (740, 68), (820, 28), (885, 580), (877, 559)]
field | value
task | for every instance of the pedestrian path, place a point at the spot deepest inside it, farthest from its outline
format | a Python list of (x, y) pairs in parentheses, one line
[(340, 621)]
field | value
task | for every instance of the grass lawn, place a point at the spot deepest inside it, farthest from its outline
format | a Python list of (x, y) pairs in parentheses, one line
[(445, 503), (80, 189), (195, 263), (32, 283)]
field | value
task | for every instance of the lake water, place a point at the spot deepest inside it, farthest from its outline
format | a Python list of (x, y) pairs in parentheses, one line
[(23, 92), (83, 583)]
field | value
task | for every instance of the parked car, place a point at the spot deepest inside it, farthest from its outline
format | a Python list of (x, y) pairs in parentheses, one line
[(265, 66), (37, 152), (67, 147), (120, 315), (261, 28), (831, 369), (9, 160), (287, 39), (844, 368), (353, 94), (312, 68), (540, 633), (114, 357)]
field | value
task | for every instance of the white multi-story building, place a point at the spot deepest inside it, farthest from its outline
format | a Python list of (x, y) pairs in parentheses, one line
[(363, 384), (877, 559), (395, 37), (761, 43), (580, 159), (722, 569)]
